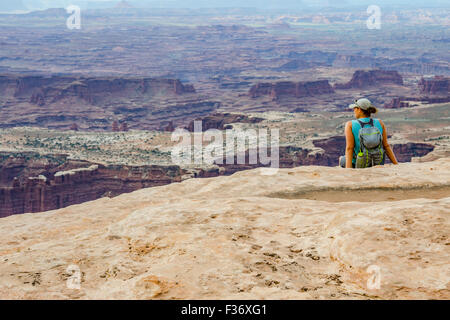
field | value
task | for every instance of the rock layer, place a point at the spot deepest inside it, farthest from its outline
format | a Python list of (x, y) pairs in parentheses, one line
[(33, 183), (402, 102), (437, 85), (97, 102), (397, 103), (29, 185), (363, 79), (404, 152), (220, 121), (291, 89)]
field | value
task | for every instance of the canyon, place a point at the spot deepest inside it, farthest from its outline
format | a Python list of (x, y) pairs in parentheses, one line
[(95, 103), (221, 121), (436, 85), (107, 103), (295, 89), (407, 102), (31, 182), (362, 79), (397, 103)]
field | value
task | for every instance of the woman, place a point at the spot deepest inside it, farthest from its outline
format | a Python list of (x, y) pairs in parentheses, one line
[(362, 109)]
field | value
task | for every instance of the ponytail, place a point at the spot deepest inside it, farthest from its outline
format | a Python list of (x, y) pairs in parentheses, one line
[(369, 111)]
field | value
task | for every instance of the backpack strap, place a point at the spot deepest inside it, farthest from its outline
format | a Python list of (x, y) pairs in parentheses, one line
[(362, 124)]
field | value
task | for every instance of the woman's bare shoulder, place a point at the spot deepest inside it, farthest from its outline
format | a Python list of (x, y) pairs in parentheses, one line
[(381, 122), (348, 127)]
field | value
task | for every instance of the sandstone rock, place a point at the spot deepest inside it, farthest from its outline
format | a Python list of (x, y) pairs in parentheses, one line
[(316, 57), (169, 127), (123, 126), (335, 147), (245, 236), (21, 191), (92, 101), (362, 79), (220, 120), (406, 151), (405, 65), (437, 85), (294, 65), (299, 109), (397, 103), (115, 126), (291, 89), (90, 89), (69, 182)]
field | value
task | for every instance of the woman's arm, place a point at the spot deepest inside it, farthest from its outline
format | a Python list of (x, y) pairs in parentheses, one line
[(350, 144), (387, 147)]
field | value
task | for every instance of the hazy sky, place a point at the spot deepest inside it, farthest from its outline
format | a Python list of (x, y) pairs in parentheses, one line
[(14, 5)]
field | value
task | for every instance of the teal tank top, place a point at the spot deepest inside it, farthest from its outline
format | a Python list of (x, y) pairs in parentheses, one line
[(355, 129)]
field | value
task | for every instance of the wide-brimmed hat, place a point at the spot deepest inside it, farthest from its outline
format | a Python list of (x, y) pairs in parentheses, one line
[(363, 104)]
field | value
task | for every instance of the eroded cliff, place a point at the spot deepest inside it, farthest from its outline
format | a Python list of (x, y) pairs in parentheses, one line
[(34, 183), (30, 182), (364, 79), (94, 103), (437, 85), (281, 89)]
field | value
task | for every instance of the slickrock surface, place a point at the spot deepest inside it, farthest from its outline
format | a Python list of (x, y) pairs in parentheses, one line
[(248, 236)]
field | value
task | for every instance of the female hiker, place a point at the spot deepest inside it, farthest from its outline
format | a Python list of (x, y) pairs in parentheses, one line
[(366, 138)]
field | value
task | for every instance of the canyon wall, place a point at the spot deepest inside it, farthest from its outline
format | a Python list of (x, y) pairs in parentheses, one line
[(404, 152), (402, 102), (396, 103), (437, 85), (34, 185), (221, 120), (400, 64), (305, 233), (290, 89), (95, 103), (360, 79), (317, 58), (45, 90), (363, 79)]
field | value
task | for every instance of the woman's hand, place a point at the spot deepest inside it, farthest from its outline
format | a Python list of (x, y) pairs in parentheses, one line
[(386, 146)]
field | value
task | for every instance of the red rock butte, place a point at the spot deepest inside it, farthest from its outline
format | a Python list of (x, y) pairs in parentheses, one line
[(436, 85), (363, 79)]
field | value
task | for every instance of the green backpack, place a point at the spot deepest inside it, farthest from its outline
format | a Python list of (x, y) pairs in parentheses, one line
[(371, 151)]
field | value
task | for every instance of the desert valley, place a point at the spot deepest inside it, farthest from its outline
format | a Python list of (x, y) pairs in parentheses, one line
[(88, 123)]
